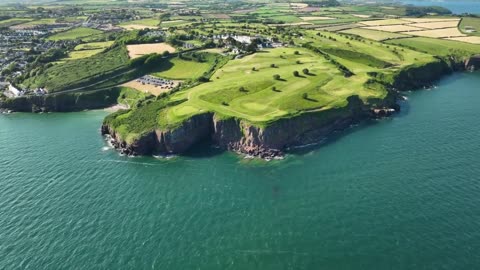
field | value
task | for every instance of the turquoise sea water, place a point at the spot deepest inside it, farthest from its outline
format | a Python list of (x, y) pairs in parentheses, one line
[(456, 6), (401, 193)]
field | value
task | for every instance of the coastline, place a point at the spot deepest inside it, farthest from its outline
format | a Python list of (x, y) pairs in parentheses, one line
[(274, 140)]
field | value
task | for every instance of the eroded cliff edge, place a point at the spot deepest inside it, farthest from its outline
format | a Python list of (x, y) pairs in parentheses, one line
[(271, 140)]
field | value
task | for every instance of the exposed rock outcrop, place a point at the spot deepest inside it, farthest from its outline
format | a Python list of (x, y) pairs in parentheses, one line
[(240, 136), (473, 63)]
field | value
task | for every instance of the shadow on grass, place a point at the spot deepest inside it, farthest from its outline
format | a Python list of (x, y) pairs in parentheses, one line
[(166, 65)]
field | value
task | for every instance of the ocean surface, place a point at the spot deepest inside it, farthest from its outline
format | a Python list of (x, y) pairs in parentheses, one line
[(400, 193), (457, 7)]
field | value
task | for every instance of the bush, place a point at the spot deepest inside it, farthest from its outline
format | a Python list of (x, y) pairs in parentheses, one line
[(276, 77), (306, 71), (305, 96), (296, 52), (299, 62), (272, 65), (274, 88), (242, 89), (296, 74)]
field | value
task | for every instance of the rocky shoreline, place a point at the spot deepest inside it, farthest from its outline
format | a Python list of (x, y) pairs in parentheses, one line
[(236, 135)]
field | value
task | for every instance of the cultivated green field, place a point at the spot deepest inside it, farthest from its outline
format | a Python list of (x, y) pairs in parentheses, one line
[(87, 50), (153, 22), (76, 33), (439, 47), (14, 21), (184, 69), (470, 22)]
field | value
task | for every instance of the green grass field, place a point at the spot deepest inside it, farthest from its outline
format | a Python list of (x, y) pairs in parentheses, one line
[(153, 22), (440, 47), (179, 69), (325, 86), (40, 21), (76, 33), (470, 22), (14, 21)]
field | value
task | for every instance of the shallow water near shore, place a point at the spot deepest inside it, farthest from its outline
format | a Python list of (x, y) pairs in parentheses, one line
[(400, 193)]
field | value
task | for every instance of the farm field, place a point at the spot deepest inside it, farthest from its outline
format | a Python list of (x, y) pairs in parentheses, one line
[(138, 50), (394, 28), (179, 69), (140, 24), (470, 26), (75, 33), (87, 50), (14, 21), (373, 34), (471, 39), (148, 88), (438, 33), (441, 47)]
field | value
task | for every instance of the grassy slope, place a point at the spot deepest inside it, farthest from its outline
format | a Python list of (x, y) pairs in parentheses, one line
[(179, 69), (326, 87), (79, 72), (75, 33)]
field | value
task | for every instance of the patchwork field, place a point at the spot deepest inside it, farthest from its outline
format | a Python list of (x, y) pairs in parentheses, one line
[(472, 39), (138, 50), (438, 33), (383, 22), (373, 34), (76, 33), (437, 25), (394, 28)]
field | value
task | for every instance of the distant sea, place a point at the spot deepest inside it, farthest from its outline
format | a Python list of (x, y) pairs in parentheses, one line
[(457, 7)]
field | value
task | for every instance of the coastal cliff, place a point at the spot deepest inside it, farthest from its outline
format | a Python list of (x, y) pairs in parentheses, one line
[(63, 102), (240, 136), (273, 139)]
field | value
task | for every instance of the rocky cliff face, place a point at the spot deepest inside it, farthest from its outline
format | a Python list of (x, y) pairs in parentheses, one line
[(242, 137), (63, 102), (473, 63)]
